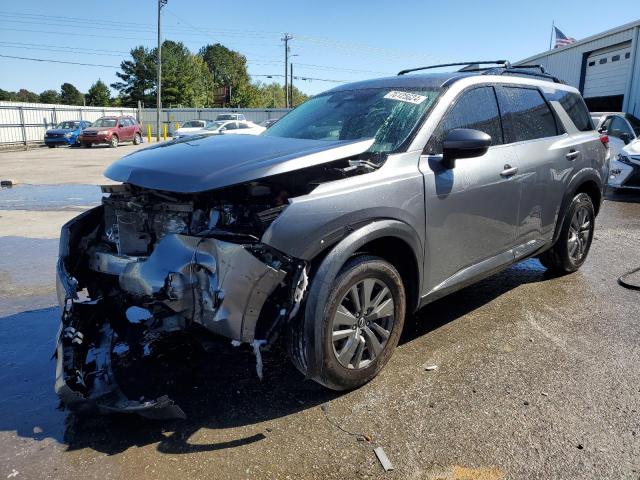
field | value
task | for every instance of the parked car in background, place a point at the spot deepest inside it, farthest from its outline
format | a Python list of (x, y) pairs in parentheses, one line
[(191, 126), (112, 131), (65, 133), (226, 127), (623, 130), (230, 116), (268, 123), (352, 212)]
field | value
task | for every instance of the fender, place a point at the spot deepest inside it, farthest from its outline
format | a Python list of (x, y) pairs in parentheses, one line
[(584, 175), (322, 281)]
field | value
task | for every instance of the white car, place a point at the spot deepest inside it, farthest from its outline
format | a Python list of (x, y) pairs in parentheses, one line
[(190, 127), (623, 130), (230, 127)]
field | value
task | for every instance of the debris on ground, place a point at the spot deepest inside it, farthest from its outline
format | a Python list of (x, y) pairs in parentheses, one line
[(384, 460), (360, 436), (544, 394), (430, 368), (14, 473), (7, 182)]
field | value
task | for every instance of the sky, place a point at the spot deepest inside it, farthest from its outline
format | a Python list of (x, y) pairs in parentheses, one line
[(333, 41)]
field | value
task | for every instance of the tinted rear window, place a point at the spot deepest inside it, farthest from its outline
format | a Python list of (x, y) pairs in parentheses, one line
[(575, 107), (526, 114)]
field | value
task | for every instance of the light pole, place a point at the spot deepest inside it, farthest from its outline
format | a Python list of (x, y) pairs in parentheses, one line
[(161, 3)]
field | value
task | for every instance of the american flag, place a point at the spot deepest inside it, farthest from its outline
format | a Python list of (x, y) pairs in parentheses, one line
[(562, 40)]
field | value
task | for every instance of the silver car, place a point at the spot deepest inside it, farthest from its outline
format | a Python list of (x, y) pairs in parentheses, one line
[(354, 210)]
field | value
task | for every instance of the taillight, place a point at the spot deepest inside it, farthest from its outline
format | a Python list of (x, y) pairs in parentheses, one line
[(604, 139)]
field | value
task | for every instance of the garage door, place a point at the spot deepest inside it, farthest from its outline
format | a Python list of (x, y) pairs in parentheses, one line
[(607, 71)]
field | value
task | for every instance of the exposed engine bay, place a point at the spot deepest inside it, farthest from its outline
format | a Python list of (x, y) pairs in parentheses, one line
[(148, 266)]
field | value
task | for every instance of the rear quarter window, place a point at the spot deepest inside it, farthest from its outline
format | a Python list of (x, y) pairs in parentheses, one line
[(526, 114), (574, 105)]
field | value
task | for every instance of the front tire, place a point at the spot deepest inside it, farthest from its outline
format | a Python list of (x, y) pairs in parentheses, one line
[(572, 246), (114, 141), (86, 145), (361, 325)]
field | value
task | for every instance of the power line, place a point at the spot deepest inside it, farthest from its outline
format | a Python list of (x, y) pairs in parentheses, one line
[(60, 61)]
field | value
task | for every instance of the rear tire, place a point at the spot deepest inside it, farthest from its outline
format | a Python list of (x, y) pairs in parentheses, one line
[(572, 246), (137, 139), (86, 145), (362, 322), (51, 146)]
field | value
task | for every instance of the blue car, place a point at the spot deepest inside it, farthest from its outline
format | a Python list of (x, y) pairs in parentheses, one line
[(65, 133)]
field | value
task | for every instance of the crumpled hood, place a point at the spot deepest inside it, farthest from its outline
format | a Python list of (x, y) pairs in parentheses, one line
[(198, 164)]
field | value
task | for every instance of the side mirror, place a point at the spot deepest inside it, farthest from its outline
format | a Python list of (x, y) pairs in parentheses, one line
[(625, 137), (602, 130), (463, 143)]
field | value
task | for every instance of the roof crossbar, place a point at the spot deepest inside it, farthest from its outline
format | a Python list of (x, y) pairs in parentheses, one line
[(504, 63), (522, 70)]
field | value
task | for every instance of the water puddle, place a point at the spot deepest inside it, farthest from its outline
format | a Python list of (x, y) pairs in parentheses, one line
[(48, 197)]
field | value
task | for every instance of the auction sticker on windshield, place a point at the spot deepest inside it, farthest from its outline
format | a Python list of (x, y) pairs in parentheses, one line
[(405, 97)]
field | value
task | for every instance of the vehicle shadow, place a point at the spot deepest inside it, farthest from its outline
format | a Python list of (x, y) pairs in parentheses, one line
[(457, 304), (218, 390)]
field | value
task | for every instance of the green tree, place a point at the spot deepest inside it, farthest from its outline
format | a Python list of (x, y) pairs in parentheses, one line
[(185, 78), (271, 95), (137, 78), (98, 95), (70, 95), (49, 96), (25, 95), (6, 96), (229, 69)]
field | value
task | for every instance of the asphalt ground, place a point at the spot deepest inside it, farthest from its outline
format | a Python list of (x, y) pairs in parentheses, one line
[(537, 376)]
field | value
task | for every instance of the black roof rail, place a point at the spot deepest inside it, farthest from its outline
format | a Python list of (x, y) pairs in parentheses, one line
[(523, 70), (505, 63)]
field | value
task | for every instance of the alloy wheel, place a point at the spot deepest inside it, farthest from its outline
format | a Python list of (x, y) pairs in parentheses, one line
[(579, 233), (362, 323)]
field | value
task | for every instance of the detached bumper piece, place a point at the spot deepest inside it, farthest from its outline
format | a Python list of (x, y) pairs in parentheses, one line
[(85, 379)]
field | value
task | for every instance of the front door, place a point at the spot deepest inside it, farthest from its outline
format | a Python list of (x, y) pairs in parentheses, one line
[(472, 209)]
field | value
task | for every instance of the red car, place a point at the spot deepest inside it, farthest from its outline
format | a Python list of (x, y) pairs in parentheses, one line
[(112, 130)]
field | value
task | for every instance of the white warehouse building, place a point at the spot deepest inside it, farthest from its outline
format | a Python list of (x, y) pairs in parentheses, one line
[(604, 67)]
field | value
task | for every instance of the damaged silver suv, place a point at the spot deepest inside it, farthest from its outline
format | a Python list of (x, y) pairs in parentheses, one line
[(353, 211)]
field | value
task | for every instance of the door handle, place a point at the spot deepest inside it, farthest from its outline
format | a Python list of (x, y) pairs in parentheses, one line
[(572, 155), (508, 171)]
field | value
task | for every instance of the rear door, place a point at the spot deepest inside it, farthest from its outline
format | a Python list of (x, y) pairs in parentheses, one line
[(546, 159), (472, 209)]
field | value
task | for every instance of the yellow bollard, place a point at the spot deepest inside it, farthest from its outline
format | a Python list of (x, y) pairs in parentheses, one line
[(177, 125), (149, 133), (165, 132)]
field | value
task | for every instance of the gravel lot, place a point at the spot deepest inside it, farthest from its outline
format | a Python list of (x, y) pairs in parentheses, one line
[(538, 377)]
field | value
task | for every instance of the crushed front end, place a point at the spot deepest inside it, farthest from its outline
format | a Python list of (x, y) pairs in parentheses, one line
[(148, 267)]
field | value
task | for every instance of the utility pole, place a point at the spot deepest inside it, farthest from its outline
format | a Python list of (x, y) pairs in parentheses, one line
[(291, 84), (286, 39), (292, 103), (161, 3)]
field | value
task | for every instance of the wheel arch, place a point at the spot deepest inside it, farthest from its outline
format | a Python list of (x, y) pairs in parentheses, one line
[(392, 240), (586, 181)]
